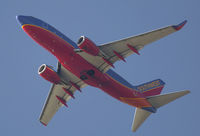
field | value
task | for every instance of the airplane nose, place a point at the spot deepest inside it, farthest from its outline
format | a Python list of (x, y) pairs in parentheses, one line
[(23, 19)]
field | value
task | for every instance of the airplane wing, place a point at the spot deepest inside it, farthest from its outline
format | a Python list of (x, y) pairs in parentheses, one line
[(128, 46), (52, 103)]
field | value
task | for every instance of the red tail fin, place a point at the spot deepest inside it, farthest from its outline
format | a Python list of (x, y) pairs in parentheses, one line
[(151, 88)]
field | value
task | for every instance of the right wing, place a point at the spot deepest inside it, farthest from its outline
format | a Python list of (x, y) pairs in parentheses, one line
[(52, 104), (136, 42), (122, 46)]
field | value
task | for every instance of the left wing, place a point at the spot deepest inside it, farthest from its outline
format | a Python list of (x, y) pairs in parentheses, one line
[(53, 103), (118, 50)]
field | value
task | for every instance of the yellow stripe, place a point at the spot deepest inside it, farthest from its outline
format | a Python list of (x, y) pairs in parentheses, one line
[(51, 69), (151, 89), (125, 98)]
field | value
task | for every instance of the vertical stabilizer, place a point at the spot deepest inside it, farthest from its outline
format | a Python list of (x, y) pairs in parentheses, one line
[(151, 88)]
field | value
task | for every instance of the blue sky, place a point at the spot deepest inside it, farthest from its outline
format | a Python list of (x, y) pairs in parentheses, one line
[(174, 59)]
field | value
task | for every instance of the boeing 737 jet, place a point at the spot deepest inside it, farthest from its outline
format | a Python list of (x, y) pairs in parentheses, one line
[(84, 63)]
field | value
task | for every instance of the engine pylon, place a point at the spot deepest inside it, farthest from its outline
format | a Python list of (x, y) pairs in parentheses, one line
[(76, 86), (119, 56), (68, 92), (133, 49), (62, 100)]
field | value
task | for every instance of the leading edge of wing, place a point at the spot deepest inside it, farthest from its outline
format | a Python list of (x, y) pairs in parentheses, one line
[(176, 28)]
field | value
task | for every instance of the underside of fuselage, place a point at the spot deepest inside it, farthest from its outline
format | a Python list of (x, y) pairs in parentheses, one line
[(63, 49)]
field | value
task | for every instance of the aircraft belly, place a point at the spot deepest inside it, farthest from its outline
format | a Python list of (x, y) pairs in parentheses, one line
[(79, 66)]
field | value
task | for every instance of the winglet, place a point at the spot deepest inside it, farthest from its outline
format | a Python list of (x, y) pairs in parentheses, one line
[(179, 26)]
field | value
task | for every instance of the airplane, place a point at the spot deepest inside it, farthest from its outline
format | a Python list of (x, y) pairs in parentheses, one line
[(84, 63)]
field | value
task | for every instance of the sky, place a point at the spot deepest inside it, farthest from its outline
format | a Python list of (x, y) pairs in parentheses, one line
[(174, 59)]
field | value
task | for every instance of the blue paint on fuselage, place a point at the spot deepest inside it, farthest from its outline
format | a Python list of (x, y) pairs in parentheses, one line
[(118, 78), (150, 109), (23, 20), (145, 86)]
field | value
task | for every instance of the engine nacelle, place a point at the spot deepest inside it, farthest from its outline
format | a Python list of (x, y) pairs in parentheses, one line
[(49, 74), (88, 46)]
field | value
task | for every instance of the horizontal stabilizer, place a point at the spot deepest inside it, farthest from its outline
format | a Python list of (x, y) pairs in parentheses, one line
[(156, 101), (139, 117), (160, 100)]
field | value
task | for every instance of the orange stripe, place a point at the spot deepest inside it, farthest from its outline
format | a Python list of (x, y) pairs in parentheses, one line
[(136, 102)]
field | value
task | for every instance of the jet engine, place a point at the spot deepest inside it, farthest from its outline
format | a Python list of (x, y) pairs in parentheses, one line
[(88, 46), (49, 74)]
